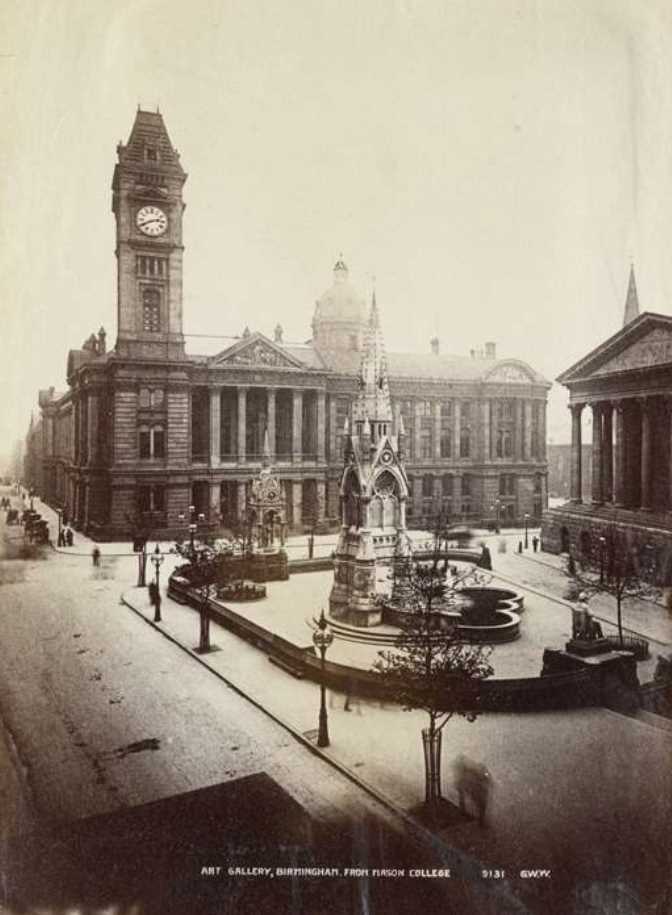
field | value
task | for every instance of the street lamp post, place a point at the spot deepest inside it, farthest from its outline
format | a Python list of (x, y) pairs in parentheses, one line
[(157, 559), (602, 543), (527, 520), (322, 639), (497, 509)]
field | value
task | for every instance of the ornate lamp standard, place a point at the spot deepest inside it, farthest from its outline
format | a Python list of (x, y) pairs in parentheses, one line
[(157, 559), (322, 639), (527, 521), (497, 508), (193, 527), (602, 545)]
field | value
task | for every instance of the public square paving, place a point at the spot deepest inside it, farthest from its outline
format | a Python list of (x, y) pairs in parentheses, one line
[(586, 793)]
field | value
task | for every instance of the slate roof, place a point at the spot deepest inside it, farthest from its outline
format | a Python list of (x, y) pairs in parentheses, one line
[(149, 130), (420, 366)]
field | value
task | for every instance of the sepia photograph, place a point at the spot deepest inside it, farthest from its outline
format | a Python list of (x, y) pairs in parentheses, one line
[(336, 457)]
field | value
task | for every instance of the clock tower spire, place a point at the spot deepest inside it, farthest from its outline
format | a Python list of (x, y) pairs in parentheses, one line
[(147, 204)]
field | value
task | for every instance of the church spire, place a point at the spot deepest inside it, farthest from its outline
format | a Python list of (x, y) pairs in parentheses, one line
[(373, 406), (631, 300)]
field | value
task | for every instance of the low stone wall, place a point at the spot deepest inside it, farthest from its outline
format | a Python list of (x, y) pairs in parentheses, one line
[(558, 691)]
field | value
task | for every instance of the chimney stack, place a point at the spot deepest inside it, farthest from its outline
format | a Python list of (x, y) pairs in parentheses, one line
[(490, 350), (434, 343), (277, 333)]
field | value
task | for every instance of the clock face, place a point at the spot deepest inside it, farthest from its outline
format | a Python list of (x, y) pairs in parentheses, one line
[(151, 221)]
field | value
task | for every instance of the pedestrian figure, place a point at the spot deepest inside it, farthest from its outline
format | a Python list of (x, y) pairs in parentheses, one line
[(95, 556), (69, 537), (157, 606), (474, 783), (153, 593), (535, 544), (66, 519), (61, 538), (520, 546)]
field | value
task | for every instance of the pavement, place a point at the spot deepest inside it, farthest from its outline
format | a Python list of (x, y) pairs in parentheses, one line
[(585, 794)]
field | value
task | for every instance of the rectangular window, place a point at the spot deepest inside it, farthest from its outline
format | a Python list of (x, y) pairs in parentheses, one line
[(427, 487), (159, 439), (465, 443), (144, 443), (446, 444), (466, 485), (145, 498), (426, 447)]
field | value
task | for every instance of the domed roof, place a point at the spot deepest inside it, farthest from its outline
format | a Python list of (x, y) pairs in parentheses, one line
[(341, 302)]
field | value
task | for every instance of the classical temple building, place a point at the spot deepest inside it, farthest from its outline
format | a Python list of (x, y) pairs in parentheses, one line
[(149, 427), (625, 384)]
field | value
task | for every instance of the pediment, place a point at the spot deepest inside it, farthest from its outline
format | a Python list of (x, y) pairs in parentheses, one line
[(644, 344), (513, 371), (256, 351)]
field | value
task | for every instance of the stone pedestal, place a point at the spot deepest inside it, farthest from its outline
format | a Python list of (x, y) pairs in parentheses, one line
[(587, 647)]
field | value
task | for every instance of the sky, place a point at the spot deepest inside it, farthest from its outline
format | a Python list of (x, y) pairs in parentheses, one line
[(495, 165)]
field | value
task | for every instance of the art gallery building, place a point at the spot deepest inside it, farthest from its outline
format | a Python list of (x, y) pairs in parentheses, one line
[(154, 425)]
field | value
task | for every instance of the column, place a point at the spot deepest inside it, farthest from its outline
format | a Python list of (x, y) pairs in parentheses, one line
[(242, 500), (527, 408), (333, 456), (270, 420), (92, 428), (607, 455), (619, 454), (575, 493), (215, 501), (519, 423), (437, 430), (457, 494), (596, 496), (321, 427), (242, 423), (321, 500), (215, 426), (645, 405), (297, 493), (456, 436), (486, 429), (668, 405), (542, 430), (417, 440), (297, 427)]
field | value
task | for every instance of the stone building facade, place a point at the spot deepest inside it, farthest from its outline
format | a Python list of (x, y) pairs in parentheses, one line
[(149, 428), (625, 385)]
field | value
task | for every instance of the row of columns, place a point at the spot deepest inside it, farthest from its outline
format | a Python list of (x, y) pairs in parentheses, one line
[(611, 475), (483, 430), (297, 423)]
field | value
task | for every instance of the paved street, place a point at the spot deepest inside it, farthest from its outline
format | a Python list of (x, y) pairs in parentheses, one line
[(586, 794)]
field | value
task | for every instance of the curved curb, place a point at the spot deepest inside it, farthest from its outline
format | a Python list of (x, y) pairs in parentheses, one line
[(416, 829), (564, 603)]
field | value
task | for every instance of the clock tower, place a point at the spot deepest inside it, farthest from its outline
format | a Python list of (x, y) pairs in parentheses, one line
[(147, 204)]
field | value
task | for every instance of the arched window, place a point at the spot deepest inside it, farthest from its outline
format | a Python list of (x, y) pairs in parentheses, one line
[(151, 309)]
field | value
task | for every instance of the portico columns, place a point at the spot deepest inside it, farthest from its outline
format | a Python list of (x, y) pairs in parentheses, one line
[(437, 430), (297, 427), (646, 454), (607, 454), (575, 468), (270, 420), (619, 463), (596, 496), (668, 405), (242, 423), (215, 501), (215, 425), (242, 500), (321, 426)]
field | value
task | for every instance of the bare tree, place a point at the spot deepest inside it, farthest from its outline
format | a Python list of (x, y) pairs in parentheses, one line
[(432, 668), (616, 566)]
